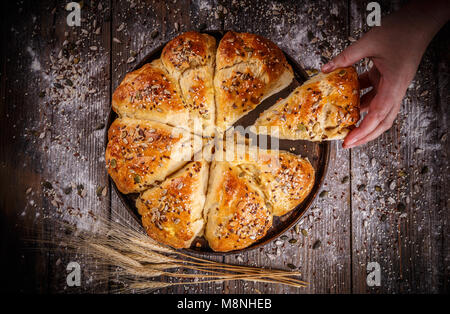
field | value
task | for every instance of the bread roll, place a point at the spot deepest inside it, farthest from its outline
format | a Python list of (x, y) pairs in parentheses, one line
[(151, 93), (190, 59), (249, 68), (140, 152), (326, 107), (285, 179), (247, 186), (172, 212), (236, 211)]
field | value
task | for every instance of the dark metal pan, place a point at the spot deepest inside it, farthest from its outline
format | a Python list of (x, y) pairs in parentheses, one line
[(317, 153)]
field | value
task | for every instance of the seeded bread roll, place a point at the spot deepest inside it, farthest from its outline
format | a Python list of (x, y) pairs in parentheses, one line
[(190, 58), (235, 208), (249, 68), (140, 152), (247, 186), (285, 179), (326, 107), (151, 93), (172, 212)]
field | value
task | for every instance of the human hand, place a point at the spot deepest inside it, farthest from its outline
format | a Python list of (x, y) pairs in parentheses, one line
[(395, 49)]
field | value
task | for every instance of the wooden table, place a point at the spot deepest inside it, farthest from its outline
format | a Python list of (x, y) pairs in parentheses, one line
[(387, 201)]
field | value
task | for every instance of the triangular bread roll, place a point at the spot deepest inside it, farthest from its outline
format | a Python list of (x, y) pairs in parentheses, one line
[(286, 179), (140, 152), (190, 58), (249, 68), (151, 93), (326, 107), (172, 212), (235, 209)]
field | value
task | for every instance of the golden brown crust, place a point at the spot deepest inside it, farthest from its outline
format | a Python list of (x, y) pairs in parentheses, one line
[(248, 185), (150, 93), (244, 47), (172, 211), (236, 212), (190, 58), (249, 68), (140, 152), (188, 50), (286, 179), (326, 107)]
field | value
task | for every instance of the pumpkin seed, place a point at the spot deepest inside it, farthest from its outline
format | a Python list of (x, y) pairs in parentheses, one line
[(378, 188), (424, 170), (291, 266), (342, 72), (47, 185), (317, 244), (401, 207), (301, 127), (293, 241), (113, 163), (99, 191), (316, 127), (137, 179), (323, 194), (305, 233), (154, 34), (345, 179)]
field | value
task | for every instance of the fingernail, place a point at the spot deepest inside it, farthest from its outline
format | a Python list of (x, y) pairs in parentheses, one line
[(328, 67), (351, 141), (347, 146)]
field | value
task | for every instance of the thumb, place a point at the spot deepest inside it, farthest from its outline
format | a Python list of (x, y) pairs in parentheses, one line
[(348, 57)]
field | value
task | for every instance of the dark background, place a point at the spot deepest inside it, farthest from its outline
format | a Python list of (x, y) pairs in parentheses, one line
[(386, 201)]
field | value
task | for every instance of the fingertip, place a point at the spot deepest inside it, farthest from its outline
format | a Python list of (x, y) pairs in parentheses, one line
[(349, 141), (328, 67)]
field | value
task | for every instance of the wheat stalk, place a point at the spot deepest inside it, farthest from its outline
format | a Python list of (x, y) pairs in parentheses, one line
[(138, 263)]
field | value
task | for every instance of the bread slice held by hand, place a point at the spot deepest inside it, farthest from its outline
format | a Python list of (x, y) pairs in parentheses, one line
[(172, 212), (141, 152), (326, 107), (151, 93), (249, 68), (190, 59)]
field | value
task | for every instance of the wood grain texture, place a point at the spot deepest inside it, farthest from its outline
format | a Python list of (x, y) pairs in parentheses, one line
[(54, 109), (385, 202), (398, 215)]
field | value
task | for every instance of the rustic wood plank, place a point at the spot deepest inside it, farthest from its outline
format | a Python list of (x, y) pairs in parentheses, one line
[(23, 270), (53, 139), (308, 33), (402, 226), (55, 106)]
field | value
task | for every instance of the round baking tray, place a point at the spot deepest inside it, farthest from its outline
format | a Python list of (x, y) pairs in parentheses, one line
[(317, 153)]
